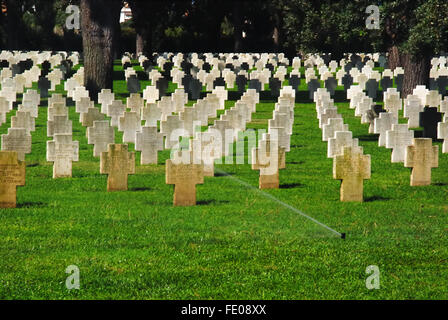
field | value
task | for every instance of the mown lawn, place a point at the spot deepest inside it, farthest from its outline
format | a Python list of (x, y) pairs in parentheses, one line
[(236, 243)]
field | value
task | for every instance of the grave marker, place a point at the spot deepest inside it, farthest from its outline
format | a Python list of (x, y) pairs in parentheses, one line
[(398, 139), (429, 119), (149, 142), (352, 167), (12, 174), (185, 177), (17, 140), (62, 151), (101, 134), (421, 156), (118, 163)]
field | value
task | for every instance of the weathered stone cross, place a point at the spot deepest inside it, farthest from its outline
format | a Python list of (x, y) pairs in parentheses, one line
[(185, 177), (12, 174), (352, 167), (117, 162), (421, 156)]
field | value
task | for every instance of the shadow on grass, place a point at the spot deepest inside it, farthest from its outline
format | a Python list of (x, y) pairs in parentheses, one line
[(376, 198), (208, 202), (140, 189), (31, 165), (368, 137), (31, 205), (219, 174), (295, 162), (441, 184), (118, 75), (291, 186)]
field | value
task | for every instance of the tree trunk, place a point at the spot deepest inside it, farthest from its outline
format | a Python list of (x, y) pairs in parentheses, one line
[(416, 72), (98, 23), (394, 58), (140, 44)]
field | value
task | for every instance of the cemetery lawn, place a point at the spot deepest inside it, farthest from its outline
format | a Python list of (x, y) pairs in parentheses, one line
[(236, 243)]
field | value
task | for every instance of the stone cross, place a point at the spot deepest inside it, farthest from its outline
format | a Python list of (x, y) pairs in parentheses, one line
[(62, 151), (130, 123), (433, 98), (23, 119), (101, 134), (105, 98), (398, 139), (117, 162), (224, 129), (327, 114), (412, 111), (333, 125), (17, 140), (268, 158), (185, 177), (172, 129), (382, 124), (59, 125), (116, 110), (442, 133), (352, 167), (58, 109), (12, 174), (149, 142), (341, 139), (29, 106), (151, 94), (429, 119), (56, 98), (421, 156), (83, 105), (135, 103), (92, 114), (151, 114), (393, 104)]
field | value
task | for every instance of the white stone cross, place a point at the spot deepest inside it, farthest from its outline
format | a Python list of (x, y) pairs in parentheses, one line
[(172, 128), (442, 133), (23, 119), (116, 110), (62, 151), (149, 142), (105, 98), (100, 135), (130, 123), (382, 124), (340, 140), (17, 140), (333, 125), (398, 139)]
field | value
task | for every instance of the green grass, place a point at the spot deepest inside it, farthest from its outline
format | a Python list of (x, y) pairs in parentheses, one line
[(235, 244)]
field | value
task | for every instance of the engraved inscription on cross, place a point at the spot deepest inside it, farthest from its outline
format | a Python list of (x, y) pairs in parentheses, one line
[(352, 167), (117, 162), (100, 135), (421, 156), (62, 151), (149, 142), (12, 174), (185, 177)]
